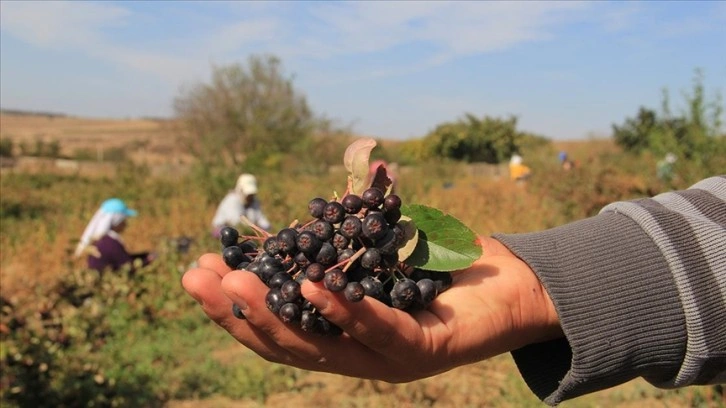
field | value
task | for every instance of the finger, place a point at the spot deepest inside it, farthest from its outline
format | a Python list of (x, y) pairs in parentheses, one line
[(214, 262), (204, 285), (394, 334), (337, 354)]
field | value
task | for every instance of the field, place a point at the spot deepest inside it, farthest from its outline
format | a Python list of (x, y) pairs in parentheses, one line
[(71, 339)]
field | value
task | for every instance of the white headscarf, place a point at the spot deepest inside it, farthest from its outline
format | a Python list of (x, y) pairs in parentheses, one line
[(111, 213)]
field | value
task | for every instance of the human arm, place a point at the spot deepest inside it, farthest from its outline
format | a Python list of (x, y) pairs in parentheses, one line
[(255, 215), (494, 306), (499, 305), (640, 290)]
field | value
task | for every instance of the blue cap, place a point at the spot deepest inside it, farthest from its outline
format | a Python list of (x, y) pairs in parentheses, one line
[(117, 206)]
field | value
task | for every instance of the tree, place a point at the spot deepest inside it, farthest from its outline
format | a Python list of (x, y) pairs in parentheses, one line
[(470, 139), (634, 134), (243, 111), (696, 134)]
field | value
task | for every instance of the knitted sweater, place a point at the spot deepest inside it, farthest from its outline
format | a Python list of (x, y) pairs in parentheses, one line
[(640, 290)]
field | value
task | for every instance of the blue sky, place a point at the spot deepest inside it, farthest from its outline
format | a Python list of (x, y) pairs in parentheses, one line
[(395, 70)]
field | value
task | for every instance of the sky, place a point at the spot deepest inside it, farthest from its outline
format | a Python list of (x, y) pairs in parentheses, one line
[(392, 70)]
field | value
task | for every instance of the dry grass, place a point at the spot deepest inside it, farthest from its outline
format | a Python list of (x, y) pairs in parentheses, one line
[(148, 141), (35, 254)]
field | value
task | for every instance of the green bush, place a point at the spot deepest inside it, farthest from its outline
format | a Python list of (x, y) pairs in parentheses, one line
[(695, 136), (117, 340), (6, 147)]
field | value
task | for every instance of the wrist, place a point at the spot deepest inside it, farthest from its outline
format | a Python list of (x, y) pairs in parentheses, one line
[(535, 317)]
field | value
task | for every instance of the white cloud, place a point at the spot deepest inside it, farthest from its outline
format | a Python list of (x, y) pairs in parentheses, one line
[(336, 29), (80, 26), (460, 28), (59, 24), (231, 37)]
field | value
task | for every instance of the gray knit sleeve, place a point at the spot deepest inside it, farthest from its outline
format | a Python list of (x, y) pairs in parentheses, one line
[(640, 290)]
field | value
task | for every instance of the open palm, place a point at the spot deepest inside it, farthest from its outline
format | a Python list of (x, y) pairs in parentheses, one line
[(495, 306)]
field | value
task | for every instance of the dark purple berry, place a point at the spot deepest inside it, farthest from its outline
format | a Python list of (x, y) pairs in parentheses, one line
[(269, 268), (370, 259), (289, 312), (233, 256), (339, 241), (316, 206), (228, 236), (286, 240), (345, 254), (327, 255), (391, 202), (278, 279), (333, 212), (248, 248), (315, 272), (405, 293), (352, 203), (335, 280), (392, 216), (350, 227), (307, 242), (387, 245), (271, 246), (302, 260), (290, 291), (273, 300), (372, 197), (323, 230), (354, 291), (254, 267), (309, 321), (428, 290), (443, 280), (374, 226), (372, 286)]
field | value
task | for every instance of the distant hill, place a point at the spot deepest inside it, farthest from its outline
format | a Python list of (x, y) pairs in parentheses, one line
[(143, 140), (20, 112)]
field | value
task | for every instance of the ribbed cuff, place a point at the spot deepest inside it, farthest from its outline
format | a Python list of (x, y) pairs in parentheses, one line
[(617, 303)]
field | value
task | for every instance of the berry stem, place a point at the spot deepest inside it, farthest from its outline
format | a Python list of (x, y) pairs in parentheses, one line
[(353, 258), (260, 232)]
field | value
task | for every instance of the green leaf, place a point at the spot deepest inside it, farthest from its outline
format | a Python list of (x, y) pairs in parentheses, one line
[(444, 242)]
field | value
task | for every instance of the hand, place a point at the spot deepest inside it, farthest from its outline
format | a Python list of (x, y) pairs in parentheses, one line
[(495, 306)]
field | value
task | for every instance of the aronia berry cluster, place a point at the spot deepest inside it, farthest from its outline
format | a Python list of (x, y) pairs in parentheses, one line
[(351, 245)]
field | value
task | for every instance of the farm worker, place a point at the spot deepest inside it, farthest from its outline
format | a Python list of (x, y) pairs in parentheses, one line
[(238, 202), (517, 170), (101, 240), (664, 167), (634, 291)]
